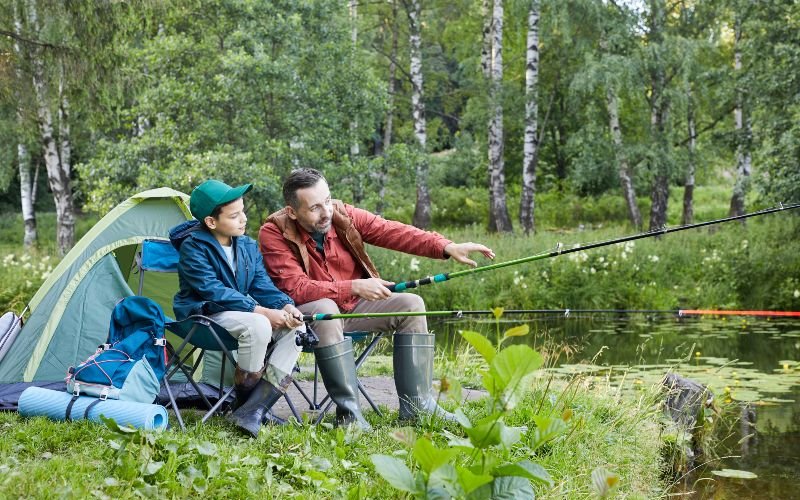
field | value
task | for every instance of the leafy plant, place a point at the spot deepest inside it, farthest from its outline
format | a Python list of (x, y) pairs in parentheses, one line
[(482, 464)]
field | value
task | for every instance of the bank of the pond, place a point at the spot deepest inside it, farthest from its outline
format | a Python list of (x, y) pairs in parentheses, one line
[(40, 458)]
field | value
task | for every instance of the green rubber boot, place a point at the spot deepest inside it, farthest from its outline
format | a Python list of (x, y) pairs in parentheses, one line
[(413, 376), (338, 369)]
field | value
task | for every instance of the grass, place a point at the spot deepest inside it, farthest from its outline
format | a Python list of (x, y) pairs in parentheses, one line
[(82, 459)]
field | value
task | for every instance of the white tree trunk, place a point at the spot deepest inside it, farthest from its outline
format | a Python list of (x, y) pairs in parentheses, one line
[(422, 210), (354, 146), (27, 186), (625, 178), (688, 187), (531, 141), (499, 219), (389, 125), (659, 109), (486, 39), (58, 172), (743, 131)]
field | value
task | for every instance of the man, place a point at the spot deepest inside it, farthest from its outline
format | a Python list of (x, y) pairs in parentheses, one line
[(221, 275), (314, 251)]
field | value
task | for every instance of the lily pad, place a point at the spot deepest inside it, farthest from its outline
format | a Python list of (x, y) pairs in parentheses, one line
[(734, 473)]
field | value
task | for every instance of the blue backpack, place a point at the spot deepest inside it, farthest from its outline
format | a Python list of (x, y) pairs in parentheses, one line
[(131, 364)]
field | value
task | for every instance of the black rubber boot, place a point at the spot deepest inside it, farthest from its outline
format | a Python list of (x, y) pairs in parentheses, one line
[(338, 369), (272, 419), (413, 376), (248, 416), (244, 382)]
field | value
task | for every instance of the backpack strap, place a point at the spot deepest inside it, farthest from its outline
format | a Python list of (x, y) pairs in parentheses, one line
[(89, 408), (68, 412)]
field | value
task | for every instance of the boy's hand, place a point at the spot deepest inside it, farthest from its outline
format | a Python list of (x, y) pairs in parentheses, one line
[(295, 316), (279, 318)]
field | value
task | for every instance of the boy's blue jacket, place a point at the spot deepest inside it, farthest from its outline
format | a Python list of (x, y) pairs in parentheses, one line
[(207, 283)]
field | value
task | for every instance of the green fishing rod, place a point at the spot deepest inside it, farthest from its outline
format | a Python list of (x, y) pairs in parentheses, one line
[(461, 314), (560, 312), (560, 250)]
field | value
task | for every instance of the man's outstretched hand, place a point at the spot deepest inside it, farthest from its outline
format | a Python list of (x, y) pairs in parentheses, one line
[(460, 252)]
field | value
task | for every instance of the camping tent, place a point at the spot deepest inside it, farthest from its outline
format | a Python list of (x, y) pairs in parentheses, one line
[(70, 313)]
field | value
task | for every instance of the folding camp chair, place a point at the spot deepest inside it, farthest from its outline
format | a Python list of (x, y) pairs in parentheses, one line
[(324, 405), (200, 335)]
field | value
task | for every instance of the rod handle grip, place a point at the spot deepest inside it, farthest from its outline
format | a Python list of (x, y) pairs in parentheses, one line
[(399, 287)]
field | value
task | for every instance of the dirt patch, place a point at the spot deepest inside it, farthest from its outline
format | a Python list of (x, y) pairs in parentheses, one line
[(380, 389)]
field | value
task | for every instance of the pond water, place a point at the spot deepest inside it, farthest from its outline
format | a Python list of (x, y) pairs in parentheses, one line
[(751, 365)]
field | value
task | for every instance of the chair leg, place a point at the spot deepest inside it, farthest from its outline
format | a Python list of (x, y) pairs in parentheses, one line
[(291, 407)]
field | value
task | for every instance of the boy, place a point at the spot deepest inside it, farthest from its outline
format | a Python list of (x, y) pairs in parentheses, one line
[(222, 276)]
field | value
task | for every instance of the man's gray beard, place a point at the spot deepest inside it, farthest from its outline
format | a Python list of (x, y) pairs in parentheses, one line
[(320, 234)]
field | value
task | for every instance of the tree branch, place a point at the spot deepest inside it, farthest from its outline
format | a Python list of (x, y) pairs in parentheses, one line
[(30, 41)]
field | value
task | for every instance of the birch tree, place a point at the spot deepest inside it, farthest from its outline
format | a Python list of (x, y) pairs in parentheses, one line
[(531, 140), (56, 149), (499, 219), (422, 209), (691, 165), (659, 110), (391, 90), (742, 123), (623, 166), (27, 182)]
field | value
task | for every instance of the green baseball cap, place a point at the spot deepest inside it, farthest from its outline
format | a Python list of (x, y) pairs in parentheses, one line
[(213, 193)]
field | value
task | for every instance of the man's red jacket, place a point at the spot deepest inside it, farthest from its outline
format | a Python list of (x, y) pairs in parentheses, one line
[(331, 273)]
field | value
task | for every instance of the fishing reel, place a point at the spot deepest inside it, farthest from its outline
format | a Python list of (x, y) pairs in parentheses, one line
[(307, 339)]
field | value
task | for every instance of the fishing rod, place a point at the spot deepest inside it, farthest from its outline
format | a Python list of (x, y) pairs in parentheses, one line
[(565, 312), (559, 250)]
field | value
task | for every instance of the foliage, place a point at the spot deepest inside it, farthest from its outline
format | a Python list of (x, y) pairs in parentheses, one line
[(750, 266), (239, 91), (480, 466)]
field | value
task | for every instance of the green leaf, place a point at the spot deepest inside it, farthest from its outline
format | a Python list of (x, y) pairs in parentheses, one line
[(320, 463), (480, 343), (206, 448), (152, 468), (734, 473), (511, 488), (508, 370), (462, 418), (547, 428), (445, 478), (430, 457), (486, 433), (119, 429), (498, 312), (603, 481), (526, 469), (395, 472), (517, 331), (471, 481), (405, 435), (509, 436)]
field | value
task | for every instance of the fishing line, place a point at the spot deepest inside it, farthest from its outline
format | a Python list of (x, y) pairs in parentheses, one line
[(560, 250)]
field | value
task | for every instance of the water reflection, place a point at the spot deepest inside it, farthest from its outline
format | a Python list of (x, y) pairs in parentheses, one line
[(751, 363)]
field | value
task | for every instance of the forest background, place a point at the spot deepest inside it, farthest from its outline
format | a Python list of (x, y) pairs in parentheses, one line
[(511, 116)]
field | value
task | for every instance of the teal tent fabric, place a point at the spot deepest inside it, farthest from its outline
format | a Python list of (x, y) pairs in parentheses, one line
[(70, 313)]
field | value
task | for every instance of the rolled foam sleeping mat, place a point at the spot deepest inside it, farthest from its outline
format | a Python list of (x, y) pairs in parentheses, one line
[(35, 401)]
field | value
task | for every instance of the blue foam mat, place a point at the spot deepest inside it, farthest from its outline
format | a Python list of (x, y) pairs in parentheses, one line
[(35, 401)]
